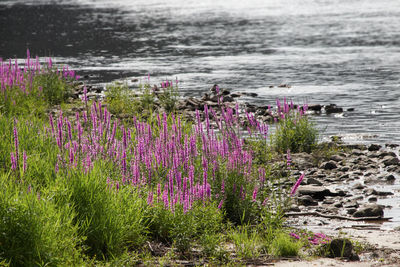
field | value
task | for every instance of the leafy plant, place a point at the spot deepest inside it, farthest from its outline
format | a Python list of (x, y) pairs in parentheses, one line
[(283, 246), (294, 132)]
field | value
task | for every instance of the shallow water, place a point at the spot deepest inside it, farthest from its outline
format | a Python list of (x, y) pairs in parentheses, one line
[(345, 52)]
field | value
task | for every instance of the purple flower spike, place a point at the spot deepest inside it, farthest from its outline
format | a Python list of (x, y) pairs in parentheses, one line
[(296, 185)]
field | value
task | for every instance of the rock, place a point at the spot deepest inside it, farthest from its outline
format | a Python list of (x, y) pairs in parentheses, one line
[(295, 208), (284, 85), (330, 165), (390, 178), (228, 98), (370, 191), (386, 153), (313, 181), (351, 211), (351, 204), (317, 192), (358, 186), (372, 199), (226, 92), (336, 158), (328, 201), (213, 89), (249, 94), (251, 108), (392, 145), (341, 247), (374, 147), (332, 108), (338, 205), (350, 109), (345, 168), (235, 95), (307, 201), (384, 193), (370, 210), (390, 161), (315, 107)]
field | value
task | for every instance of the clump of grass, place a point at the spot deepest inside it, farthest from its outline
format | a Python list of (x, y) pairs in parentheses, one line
[(168, 96), (33, 230), (109, 219), (120, 100), (283, 246), (294, 130), (247, 242)]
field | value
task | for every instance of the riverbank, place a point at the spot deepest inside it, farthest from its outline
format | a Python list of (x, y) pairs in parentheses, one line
[(146, 177)]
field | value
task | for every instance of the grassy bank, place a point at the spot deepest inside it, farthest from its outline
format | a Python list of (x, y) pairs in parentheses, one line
[(95, 189)]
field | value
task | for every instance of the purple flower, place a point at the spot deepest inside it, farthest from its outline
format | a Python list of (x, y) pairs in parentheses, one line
[(296, 185), (220, 204), (295, 236)]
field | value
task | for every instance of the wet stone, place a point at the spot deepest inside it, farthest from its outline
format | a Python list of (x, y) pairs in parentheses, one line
[(313, 181), (390, 178), (345, 169), (338, 205), (390, 161), (370, 210), (336, 158), (307, 201), (328, 201), (374, 147), (358, 186), (384, 193), (317, 192), (370, 191), (351, 211), (330, 165), (352, 204)]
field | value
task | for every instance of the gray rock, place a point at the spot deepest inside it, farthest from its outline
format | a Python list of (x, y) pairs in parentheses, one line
[(383, 193), (358, 186), (313, 181), (352, 204), (383, 154), (390, 161), (351, 211), (390, 178), (372, 199), (370, 210), (317, 192), (332, 108), (307, 201), (336, 158), (374, 147), (345, 168), (338, 205), (341, 247), (330, 165), (370, 191)]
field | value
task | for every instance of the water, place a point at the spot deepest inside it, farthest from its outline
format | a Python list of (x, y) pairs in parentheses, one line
[(345, 52)]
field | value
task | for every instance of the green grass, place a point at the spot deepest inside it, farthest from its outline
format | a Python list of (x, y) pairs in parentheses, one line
[(295, 133)]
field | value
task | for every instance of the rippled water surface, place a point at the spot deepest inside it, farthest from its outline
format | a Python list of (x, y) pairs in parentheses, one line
[(345, 52)]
